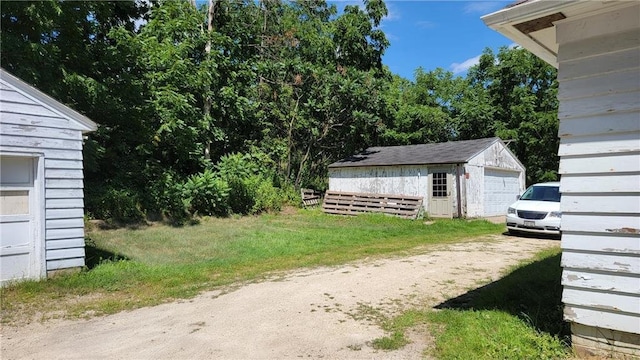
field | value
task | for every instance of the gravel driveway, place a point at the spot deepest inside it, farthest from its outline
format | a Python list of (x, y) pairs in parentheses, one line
[(317, 313)]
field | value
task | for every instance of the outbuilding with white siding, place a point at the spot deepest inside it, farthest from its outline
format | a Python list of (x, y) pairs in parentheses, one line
[(462, 179), (596, 47), (41, 182)]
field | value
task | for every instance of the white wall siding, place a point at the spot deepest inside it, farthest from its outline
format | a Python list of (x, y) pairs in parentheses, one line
[(495, 158), (416, 180), (599, 74), (28, 126), (405, 180)]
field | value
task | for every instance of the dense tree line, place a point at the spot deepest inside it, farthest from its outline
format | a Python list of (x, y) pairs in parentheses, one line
[(227, 106)]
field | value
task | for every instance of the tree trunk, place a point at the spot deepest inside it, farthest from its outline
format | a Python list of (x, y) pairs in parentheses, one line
[(206, 108)]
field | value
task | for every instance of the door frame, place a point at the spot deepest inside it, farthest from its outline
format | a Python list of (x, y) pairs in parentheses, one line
[(37, 206), (449, 198)]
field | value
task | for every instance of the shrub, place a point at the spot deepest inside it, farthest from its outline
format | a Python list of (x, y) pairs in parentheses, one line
[(266, 196), (166, 195), (206, 194), (243, 166), (115, 204)]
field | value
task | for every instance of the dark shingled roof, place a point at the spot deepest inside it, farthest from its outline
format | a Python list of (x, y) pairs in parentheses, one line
[(452, 152)]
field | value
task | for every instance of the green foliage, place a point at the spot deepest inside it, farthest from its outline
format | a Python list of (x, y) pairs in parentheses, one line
[(115, 204), (206, 194), (513, 95), (272, 89), (491, 334)]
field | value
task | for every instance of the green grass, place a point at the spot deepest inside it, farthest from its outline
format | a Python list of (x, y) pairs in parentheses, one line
[(155, 264), (516, 317)]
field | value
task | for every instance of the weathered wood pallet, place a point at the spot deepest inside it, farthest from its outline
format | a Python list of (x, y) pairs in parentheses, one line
[(345, 203), (310, 197)]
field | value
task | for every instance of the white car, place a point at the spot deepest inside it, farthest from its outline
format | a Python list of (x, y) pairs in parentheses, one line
[(537, 210)]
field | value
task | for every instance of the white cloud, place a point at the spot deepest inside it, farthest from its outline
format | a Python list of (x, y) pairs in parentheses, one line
[(392, 13), (465, 65), (482, 7), (426, 24)]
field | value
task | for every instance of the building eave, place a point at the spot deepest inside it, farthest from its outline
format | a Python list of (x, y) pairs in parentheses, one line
[(85, 124), (542, 41)]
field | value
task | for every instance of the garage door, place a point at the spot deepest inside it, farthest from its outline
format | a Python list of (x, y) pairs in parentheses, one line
[(18, 256), (500, 191)]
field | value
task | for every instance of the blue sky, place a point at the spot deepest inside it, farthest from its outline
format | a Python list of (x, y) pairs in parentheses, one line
[(432, 34)]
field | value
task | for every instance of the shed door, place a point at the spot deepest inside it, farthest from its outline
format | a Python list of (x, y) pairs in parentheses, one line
[(440, 194), (500, 190), (18, 256)]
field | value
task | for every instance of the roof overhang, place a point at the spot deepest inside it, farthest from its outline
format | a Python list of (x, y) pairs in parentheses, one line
[(531, 23), (85, 124)]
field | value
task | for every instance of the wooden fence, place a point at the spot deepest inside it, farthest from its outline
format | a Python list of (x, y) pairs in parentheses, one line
[(344, 203)]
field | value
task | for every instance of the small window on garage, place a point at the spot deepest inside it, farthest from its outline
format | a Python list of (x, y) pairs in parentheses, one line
[(14, 202)]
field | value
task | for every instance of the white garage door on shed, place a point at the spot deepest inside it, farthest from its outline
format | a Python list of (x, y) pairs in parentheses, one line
[(20, 204), (500, 190)]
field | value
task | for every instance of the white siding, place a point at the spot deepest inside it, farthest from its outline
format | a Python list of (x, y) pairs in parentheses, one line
[(599, 74), (404, 180), (414, 180), (28, 126), (495, 158)]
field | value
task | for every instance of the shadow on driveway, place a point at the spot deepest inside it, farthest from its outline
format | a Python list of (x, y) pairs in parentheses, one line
[(532, 292)]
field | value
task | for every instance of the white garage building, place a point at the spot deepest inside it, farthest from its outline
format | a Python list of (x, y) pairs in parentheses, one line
[(41, 182), (463, 179), (596, 47)]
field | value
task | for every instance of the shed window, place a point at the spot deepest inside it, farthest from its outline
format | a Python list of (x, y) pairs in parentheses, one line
[(439, 184)]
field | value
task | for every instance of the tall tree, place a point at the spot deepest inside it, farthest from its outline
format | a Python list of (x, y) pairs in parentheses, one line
[(513, 95)]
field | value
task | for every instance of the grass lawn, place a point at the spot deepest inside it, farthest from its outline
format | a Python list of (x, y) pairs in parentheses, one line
[(130, 268), (516, 317)]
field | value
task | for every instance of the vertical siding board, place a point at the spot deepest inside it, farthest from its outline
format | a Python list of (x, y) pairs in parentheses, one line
[(599, 75)]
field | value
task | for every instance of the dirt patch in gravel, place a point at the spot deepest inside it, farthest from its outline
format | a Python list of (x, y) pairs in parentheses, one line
[(319, 313)]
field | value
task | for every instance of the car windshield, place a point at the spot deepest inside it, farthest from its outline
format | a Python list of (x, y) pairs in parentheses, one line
[(542, 193)]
